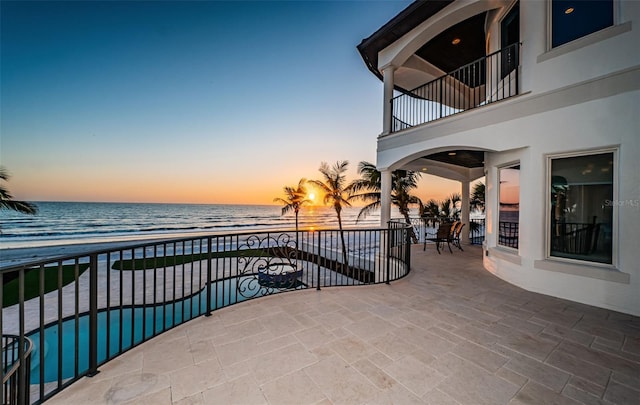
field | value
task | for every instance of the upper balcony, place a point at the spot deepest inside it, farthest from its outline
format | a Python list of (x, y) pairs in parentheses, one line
[(484, 81), (439, 58)]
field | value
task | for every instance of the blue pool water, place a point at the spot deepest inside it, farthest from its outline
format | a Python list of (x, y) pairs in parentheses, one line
[(136, 324)]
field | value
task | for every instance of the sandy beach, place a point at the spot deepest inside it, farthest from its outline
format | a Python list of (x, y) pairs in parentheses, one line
[(17, 256)]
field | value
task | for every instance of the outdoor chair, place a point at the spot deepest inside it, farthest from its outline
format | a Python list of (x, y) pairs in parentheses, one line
[(456, 236), (442, 236)]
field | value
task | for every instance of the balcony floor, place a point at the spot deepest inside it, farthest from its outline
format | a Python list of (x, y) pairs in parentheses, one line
[(448, 333)]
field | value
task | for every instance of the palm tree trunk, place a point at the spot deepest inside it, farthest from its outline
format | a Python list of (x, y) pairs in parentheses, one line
[(297, 236), (404, 210), (344, 245), (412, 232)]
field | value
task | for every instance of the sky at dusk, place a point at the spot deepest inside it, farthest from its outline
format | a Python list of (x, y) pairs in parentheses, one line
[(199, 102)]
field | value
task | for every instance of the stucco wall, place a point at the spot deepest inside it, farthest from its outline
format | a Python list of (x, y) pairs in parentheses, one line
[(581, 96)]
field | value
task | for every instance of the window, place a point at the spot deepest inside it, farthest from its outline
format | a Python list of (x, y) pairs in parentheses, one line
[(509, 210), (581, 203), (573, 19)]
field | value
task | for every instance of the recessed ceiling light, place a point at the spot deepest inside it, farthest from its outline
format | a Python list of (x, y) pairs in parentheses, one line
[(424, 169), (569, 10), (455, 41), (452, 153)]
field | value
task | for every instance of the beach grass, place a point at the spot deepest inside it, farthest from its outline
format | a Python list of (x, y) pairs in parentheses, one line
[(32, 282), (169, 261)]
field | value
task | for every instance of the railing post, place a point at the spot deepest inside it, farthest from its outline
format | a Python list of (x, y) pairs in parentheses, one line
[(441, 96), (517, 68), (388, 258), (408, 248), (208, 284), (318, 263), (23, 398), (93, 315)]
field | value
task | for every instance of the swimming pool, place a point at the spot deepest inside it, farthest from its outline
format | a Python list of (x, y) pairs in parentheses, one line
[(127, 327)]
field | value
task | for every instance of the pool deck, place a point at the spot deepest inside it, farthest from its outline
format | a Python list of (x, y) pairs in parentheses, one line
[(449, 333)]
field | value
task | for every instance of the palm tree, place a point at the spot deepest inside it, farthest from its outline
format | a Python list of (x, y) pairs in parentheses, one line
[(368, 189), (295, 198), (449, 207), (403, 181), (431, 210), (477, 197), (7, 201), (336, 193)]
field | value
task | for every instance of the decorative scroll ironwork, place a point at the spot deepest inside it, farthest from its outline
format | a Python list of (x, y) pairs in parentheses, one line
[(277, 250)]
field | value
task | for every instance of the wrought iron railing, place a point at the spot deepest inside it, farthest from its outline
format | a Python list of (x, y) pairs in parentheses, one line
[(477, 230), (508, 233), (82, 311), (16, 367), (489, 79)]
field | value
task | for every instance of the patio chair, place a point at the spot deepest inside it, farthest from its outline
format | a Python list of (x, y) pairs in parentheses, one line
[(442, 236), (456, 236)]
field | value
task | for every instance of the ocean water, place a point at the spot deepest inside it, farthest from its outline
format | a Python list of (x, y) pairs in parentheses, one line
[(59, 223)]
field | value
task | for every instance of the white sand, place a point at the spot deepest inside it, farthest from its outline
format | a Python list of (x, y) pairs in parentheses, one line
[(16, 256)]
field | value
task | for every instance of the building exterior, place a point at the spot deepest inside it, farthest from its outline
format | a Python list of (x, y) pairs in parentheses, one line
[(542, 98)]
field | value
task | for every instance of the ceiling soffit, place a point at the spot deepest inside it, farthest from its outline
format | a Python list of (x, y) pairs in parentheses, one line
[(465, 158), (464, 165), (447, 56)]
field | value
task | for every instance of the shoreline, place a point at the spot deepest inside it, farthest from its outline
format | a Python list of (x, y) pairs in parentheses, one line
[(21, 252), (10, 257)]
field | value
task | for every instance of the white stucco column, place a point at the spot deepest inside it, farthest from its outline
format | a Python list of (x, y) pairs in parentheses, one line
[(385, 197), (387, 111), (464, 213)]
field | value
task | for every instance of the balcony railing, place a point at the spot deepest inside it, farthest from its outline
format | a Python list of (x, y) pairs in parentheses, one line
[(489, 79), (16, 368), (82, 311)]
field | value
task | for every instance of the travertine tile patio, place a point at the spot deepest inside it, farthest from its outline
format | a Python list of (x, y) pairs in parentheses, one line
[(449, 333)]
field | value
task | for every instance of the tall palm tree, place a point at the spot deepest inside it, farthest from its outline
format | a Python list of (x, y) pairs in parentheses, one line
[(336, 193), (7, 201), (295, 198), (368, 189)]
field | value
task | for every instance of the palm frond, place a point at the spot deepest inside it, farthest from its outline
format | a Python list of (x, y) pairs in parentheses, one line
[(367, 209), (7, 201), (19, 206), (365, 197), (294, 198)]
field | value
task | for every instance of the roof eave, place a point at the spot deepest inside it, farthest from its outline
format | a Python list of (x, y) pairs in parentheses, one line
[(409, 18)]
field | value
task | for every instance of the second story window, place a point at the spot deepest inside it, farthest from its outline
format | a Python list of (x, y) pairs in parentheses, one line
[(573, 19)]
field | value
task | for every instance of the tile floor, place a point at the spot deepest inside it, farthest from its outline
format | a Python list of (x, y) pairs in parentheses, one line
[(449, 333)]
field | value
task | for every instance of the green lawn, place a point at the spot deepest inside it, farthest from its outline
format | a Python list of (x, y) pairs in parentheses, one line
[(32, 282), (32, 276), (152, 263)]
